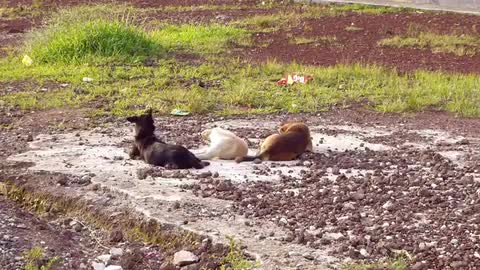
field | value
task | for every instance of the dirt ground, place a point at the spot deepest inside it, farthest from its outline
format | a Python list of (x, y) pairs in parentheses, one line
[(434, 217)]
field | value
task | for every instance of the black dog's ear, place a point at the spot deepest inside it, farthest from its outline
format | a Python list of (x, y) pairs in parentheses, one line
[(149, 111), (132, 119)]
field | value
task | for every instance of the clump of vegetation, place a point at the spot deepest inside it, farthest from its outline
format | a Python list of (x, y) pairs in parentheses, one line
[(94, 41), (235, 259), (35, 257), (362, 8), (460, 45), (353, 28), (320, 40), (100, 34), (211, 38), (400, 262)]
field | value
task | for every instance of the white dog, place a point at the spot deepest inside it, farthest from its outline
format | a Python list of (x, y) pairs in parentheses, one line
[(224, 144)]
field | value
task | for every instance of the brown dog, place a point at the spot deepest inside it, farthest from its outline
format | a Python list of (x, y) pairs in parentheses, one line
[(292, 141)]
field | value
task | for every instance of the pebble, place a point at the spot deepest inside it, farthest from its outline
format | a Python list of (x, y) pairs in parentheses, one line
[(308, 256), (116, 252), (98, 266), (114, 267), (183, 257), (105, 258)]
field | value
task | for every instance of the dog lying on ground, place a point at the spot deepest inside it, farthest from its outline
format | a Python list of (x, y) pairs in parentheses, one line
[(292, 140), (224, 144), (156, 152)]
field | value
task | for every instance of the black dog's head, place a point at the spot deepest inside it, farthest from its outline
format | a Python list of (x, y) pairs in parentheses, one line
[(144, 125)]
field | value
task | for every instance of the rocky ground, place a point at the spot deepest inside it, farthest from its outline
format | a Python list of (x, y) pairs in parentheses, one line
[(405, 185), (419, 196)]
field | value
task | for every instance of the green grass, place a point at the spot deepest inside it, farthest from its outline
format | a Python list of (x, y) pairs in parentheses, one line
[(34, 258), (371, 9), (459, 45), (317, 41), (399, 263), (115, 34), (240, 88), (93, 42), (212, 38), (291, 17), (352, 28), (235, 260), (89, 34)]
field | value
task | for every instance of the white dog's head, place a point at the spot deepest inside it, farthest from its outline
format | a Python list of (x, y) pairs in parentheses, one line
[(206, 135)]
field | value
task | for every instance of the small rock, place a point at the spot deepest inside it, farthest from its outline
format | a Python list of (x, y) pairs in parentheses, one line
[(307, 163), (78, 227), (364, 252), (84, 180), (29, 138), (116, 252), (205, 174), (104, 258), (98, 266), (308, 256), (283, 221), (388, 205), (183, 257), (87, 79), (257, 161), (335, 170), (463, 141), (418, 266), (82, 266), (176, 205), (114, 267)]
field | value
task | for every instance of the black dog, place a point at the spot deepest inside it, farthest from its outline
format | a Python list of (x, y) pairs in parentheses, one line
[(154, 151)]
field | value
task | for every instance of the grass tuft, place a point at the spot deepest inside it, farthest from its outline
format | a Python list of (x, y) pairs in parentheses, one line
[(212, 38), (316, 41), (92, 42), (362, 8), (459, 45), (35, 257)]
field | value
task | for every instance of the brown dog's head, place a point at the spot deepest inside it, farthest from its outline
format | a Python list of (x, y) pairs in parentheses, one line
[(297, 127), (143, 124)]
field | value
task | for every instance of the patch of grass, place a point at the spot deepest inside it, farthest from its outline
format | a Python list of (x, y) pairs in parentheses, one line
[(235, 260), (92, 42), (362, 8), (268, 23), (19, 12), (321, 40), (353, 28), (212, 38), (459, 45), (35, 257), (233, 86), (398, 263)]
